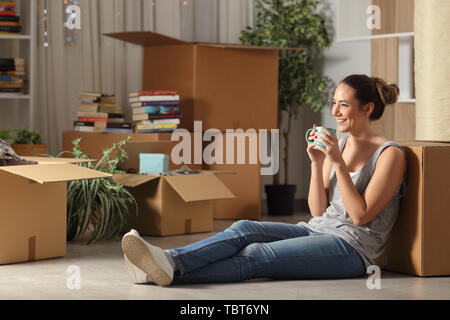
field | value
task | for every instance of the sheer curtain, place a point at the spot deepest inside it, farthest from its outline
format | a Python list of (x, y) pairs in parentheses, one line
[(94, 62)]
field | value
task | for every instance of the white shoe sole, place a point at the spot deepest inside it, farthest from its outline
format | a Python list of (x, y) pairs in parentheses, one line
[(140, 255)]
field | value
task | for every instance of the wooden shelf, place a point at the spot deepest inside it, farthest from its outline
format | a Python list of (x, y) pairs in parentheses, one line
[(14, 96), (15, 37)]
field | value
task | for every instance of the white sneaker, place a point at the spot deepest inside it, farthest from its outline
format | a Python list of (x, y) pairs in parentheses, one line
[(147, 259), (137, 276)]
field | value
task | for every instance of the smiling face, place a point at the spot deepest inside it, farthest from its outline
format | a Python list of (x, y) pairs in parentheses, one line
[(346, 109)]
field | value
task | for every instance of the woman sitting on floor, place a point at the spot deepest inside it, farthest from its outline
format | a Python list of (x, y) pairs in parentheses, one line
[(355, 189)]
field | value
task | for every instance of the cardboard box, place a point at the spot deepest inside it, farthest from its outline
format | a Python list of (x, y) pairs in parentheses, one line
[(171, 205), (33, 218), (224, 85), (419, 242), (245, 184)]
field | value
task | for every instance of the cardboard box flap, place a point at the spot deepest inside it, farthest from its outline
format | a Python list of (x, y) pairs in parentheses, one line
[(55, 172), (49, 160), (133, 180), (423, 143), (146, 38), (196, 187), (149, 38), (243, 46)]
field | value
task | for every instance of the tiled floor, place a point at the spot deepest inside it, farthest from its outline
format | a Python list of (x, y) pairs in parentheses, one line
[(104, 275)]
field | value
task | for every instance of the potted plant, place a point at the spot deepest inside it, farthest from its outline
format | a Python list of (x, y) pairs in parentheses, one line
[(5, 134), (98, 208), (291, 24), (28, 143)]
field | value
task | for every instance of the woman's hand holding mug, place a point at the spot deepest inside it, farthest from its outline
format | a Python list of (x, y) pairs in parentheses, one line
[(314, 154)]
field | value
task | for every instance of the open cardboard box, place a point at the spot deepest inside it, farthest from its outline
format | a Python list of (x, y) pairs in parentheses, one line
[(33, 209), (170, 204), (419, 242), (178, 204), (224, 85)]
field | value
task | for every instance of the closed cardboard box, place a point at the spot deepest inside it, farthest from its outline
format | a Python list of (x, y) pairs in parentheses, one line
[(240, 154), (419, 242), (224, 85), (33, 208)]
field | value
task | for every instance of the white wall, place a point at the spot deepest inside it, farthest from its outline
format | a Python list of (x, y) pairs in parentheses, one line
[(341, 59)]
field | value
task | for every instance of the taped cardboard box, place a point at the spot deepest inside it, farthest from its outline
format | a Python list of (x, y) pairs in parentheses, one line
[(171, 205), (33, 209), (419, 242), (224, 85)]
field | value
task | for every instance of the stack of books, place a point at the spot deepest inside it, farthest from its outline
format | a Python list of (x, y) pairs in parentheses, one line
[(9, 21), (12, 75), (99, 113), (155, 111)]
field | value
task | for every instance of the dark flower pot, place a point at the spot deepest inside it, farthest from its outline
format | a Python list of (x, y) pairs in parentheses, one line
[(280, 199)]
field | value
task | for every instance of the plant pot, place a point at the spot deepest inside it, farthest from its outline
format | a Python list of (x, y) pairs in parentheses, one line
[(31, 150), (280, 199)]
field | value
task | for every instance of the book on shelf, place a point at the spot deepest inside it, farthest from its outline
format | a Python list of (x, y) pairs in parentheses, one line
[(11, 91), (12, 64), (9, 18), (117, 118), (154, 103), (156, 126), (107, 99), (154, 109), (153, 93), (149, 109), (92, 114), (158, 121), (88, 107), (9, 23), (5, 12), (9, 77), (154, 130), (118, 130), (98, 124), (88, 95), (87, 129), (12, 73), (151, 116), (92, 119), (154, 98), (11, 29), (11, 84), (103, 124), (110, 108)]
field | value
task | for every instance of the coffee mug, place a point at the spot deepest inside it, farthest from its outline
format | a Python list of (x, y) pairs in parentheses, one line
[(319, 129)]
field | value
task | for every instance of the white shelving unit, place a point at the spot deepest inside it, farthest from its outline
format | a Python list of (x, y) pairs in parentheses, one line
[(12, 107)]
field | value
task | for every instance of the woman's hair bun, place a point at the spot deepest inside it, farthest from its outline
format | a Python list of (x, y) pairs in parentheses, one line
[(388, 92)]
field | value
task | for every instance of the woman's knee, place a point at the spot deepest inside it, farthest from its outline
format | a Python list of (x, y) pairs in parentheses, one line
[(242, 225)]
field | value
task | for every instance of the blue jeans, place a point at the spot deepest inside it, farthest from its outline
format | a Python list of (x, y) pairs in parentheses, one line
[(276, 250)]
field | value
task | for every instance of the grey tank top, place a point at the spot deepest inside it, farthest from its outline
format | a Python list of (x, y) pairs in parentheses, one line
[(368, 240)]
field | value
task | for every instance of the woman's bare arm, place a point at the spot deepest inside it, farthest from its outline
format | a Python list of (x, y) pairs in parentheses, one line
[(384, 183)]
